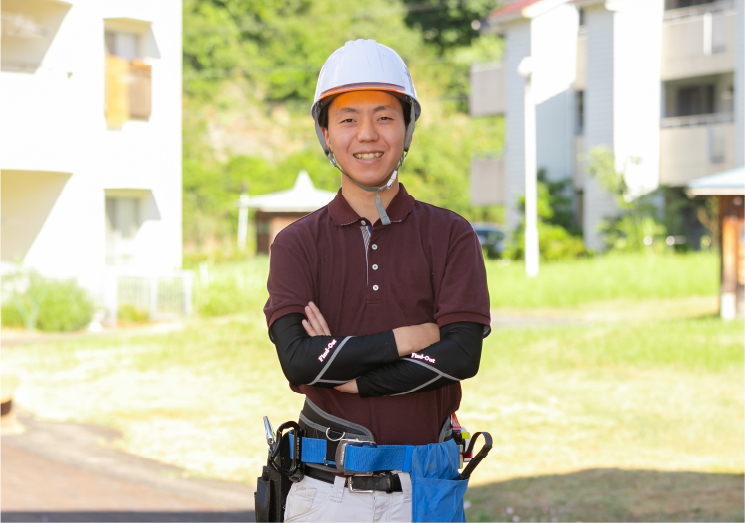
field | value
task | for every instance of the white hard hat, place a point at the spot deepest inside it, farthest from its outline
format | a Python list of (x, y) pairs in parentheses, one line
[(366, 65)]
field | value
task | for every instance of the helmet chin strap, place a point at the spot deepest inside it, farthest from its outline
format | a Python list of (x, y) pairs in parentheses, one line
[(385, 220)]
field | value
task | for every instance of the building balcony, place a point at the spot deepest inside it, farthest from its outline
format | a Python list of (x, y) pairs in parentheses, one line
[(488, 184), (692, 147), (699, 40), (487, 95)]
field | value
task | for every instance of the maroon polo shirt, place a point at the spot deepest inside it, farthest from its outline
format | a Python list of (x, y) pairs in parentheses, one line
[(426, 266)]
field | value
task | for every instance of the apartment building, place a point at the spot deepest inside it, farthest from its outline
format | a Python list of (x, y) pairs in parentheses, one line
[(90, 134), (660, 82)]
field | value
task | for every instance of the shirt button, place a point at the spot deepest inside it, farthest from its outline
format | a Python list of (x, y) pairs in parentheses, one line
[(375, 266), (375, 287), (363, 222), (375, 246)]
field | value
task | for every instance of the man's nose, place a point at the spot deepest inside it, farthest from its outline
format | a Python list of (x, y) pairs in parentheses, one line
[(366, 131)]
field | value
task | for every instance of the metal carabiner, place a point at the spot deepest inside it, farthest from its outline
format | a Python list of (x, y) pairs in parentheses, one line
[(275, 459)]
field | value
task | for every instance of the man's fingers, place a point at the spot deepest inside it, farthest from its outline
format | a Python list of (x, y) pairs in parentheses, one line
[(309, 329), (319, 317), (313, 319)]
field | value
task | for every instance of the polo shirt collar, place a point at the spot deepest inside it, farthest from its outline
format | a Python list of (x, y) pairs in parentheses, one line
[(401, 205)]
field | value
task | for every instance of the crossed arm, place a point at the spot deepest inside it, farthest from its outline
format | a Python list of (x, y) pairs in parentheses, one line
[(407, 359)]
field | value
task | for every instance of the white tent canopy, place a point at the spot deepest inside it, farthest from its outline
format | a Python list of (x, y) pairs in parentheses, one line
[(303, 197), (726, 183)]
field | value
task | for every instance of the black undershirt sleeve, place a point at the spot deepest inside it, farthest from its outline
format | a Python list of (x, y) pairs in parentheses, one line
[(454, 358), (328, 361)]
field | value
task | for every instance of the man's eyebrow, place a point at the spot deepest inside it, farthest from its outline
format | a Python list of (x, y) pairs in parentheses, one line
[(379, 108)]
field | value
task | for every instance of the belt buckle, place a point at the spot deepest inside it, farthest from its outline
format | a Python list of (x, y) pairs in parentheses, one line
[(351, 488), (341, 450)]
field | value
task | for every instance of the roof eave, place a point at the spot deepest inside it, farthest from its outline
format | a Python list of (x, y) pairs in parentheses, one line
[(715, 191)]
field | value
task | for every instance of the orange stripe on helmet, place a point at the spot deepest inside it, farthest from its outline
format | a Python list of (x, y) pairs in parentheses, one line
[(373, 86)]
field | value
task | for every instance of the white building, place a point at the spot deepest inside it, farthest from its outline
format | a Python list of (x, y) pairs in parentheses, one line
[(90, 137), (660, 82)]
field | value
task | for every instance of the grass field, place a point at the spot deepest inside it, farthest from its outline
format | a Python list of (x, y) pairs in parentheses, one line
[(635, 413)]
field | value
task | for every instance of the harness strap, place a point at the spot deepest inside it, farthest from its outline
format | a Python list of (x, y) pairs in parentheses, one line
[(357, 458)]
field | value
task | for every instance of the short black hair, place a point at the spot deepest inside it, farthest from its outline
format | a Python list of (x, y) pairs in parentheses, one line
[(323, 117)]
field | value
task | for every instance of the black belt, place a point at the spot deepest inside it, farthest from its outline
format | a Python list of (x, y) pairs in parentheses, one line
[(382, 482)]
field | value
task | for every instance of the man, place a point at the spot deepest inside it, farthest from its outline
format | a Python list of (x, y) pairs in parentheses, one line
[(377, 303)]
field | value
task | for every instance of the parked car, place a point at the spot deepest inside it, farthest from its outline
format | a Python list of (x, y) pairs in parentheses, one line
[(491, 239)]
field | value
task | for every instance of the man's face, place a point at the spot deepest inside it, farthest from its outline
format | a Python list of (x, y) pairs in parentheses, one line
[(366, 132)]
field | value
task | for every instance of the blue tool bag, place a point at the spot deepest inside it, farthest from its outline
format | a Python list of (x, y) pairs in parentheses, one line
[(436, 493)]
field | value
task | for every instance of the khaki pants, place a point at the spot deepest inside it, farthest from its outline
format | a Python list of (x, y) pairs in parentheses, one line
[(315, 500)]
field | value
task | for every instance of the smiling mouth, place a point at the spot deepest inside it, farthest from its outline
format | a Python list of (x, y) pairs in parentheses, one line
[(367, 156)]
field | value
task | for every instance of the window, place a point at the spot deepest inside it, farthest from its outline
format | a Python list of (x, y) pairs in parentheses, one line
[(579, 113), (122, 225), (582, 17), (697, 99), (678, 4), (128, 79), (717, 144)]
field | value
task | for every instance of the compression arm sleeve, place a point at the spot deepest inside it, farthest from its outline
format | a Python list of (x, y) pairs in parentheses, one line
[(328, 361), (454, 358)]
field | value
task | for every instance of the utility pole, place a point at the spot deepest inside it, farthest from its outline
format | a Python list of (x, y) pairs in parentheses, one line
[(525, 69)]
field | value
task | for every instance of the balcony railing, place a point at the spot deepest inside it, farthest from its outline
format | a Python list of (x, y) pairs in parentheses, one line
[(698, 119), (487, 90), (488, 181), (688, 152), (703, 42)]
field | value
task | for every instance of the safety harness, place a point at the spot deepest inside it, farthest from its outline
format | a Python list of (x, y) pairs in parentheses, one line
[(437, 486)]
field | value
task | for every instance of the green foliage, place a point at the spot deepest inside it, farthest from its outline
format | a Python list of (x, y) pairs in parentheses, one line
[(279, 46), (128, 313), (637, 228), (559, 238), (258, 62), (49, 305), (447, 25)]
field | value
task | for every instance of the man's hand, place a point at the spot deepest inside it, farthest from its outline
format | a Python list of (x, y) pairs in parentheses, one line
[(315, 325), (416, 337)]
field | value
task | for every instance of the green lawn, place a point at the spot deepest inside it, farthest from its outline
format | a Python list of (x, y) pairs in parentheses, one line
[(576, 282), (635, 414)]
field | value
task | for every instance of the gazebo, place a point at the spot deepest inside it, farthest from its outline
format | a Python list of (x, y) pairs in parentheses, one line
[(277, 210), (729, 187)]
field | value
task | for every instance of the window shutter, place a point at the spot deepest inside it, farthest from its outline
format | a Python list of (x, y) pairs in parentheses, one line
[(140, 90)]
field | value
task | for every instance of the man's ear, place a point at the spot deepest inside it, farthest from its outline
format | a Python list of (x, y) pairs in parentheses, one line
[(325, 132)]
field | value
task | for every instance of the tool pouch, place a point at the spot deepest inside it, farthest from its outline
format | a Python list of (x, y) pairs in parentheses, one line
[(436, 496), (272, 488), (437, 488)]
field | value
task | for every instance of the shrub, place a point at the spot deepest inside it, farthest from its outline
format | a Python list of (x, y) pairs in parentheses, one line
[(129, 313), (49, 305), (558, 238)]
